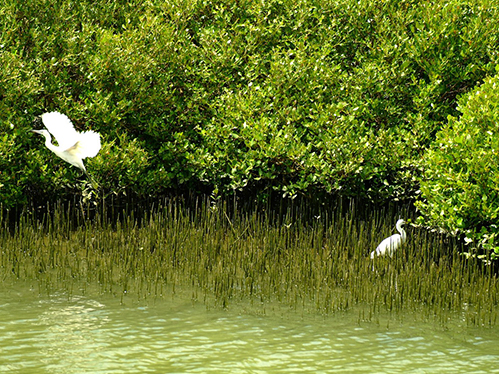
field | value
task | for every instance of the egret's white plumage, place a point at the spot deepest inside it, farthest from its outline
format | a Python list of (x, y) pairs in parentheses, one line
[(390, 244), (73, 146)]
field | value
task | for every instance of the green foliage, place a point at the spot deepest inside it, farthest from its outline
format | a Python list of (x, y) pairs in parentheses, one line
[(346, 100), (121, 167), (9, 190), (460, 185), (296, 97)]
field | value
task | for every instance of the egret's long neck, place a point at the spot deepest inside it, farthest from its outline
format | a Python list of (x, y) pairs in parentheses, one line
[(401, 231), (48, 143)]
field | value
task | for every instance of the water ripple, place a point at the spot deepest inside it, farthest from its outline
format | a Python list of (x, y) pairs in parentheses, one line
[(81, 334)]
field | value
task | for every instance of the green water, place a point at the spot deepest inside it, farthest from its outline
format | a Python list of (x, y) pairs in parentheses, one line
[(92, 332)]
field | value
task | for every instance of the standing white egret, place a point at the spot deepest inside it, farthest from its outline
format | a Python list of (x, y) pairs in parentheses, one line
[(390, 244), (73, 146)]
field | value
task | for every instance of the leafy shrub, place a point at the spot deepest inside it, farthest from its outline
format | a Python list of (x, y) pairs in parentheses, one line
[(290, 96), (460, 185), (121, 168)]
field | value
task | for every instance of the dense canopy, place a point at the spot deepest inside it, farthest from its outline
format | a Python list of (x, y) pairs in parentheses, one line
[(292, 97)]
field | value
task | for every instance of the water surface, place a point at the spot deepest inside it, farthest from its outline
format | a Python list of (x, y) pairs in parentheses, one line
[(58, 332)]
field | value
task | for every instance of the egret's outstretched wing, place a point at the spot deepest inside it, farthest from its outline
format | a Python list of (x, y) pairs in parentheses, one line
[(88, 145), (61, 128)]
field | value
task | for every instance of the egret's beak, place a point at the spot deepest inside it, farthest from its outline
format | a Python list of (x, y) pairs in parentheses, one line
[(36, 131)]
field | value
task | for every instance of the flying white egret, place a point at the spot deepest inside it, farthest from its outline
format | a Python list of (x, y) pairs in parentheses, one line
[(73, 146), (390, 244)]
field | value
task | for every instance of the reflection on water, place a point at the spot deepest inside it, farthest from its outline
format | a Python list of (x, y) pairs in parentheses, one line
[(62, 334)]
